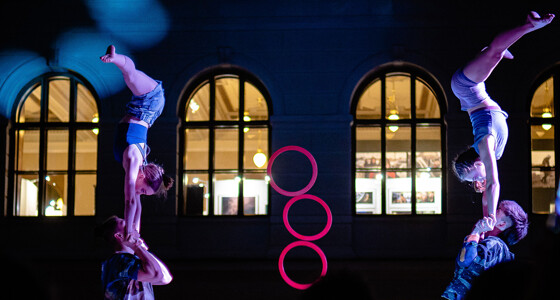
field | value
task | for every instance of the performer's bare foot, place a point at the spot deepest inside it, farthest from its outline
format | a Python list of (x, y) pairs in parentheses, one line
[(111, 56), (537, 21)]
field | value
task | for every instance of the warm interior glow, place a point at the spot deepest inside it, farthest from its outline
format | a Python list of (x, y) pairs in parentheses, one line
[(393, 128), (546, 126)]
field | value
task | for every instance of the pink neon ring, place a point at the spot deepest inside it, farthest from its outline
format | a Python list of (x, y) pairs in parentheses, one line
[(301, 286), (313, 176), (307, 237)]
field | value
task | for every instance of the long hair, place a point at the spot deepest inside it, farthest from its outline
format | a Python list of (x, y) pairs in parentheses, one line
[(520, 222), (463, 162), (155, 177)]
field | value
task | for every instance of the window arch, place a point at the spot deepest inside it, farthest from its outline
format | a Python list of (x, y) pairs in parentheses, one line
[(398, 120), (543, 121), (224, 144), (54, 147)]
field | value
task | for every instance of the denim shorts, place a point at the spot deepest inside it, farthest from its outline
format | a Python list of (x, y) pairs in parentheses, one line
[(490, 121), (147, 107), (469, 92)]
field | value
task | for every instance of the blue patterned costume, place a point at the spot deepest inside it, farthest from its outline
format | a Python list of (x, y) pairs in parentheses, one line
[(474, 259), (119, 275)]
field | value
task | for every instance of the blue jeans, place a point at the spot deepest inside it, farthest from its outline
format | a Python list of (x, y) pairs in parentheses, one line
[(493, 122), (147, 107)]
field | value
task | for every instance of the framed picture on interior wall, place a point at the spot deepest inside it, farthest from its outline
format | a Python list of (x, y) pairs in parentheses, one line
[(366, 160), (425, 197), (398, 197), (228, 205), (364, 197)]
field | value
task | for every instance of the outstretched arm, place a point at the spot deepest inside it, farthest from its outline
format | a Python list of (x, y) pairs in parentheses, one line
[(153, 270), (491, 194), (132, 204), (482, 66)]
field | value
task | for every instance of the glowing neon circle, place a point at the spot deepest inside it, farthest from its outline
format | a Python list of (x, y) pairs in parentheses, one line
[(307, 237), (313, 176), (301, 286)]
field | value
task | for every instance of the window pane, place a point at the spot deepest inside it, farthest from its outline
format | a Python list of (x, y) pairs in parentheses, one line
[(543, 162), (198, 106), (227, 99), (26, 203), (31, 109), (369, 105), (255, 194), (196, 149), (428, 192), (426, 103), (86, 106), (227, 147), (397, 95), (542, 146), (428, 147), (255, 105), (84, 195), (56, 195), (195, 194), (28, 150), (59, 100), (398, 147), (226, 193), (368, 147), (368, 193), (57, 150), (398, 193), (86, 150), (256, 148), (542, 104), (543, 192)]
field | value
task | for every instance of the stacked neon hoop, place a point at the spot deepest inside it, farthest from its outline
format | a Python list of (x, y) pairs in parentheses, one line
[(304, 240)]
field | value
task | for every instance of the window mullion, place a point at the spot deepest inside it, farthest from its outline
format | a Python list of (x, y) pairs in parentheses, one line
[(241, 146), (211, 152), (413, 145), (383, 147)]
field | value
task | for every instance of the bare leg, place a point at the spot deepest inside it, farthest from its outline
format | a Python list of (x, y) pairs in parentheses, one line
[(482, 66), (137, 81)]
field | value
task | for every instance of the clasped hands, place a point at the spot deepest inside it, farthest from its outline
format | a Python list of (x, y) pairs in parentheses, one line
[(133, 239)]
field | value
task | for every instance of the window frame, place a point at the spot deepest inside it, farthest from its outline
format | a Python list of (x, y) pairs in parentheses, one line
[(414, 72), (553, 73), (43, 126), (210, 76)]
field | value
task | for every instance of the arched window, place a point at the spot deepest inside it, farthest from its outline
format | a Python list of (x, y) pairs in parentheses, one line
[(398, 135), (224, 145), (543, 158), (54, 148)]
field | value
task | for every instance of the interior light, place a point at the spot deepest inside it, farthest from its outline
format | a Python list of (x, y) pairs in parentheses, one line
[(393, 115), (393, 128), (95, 131), (259, 159), (95, 119), (195, 180), (246, 118), (547, 114), (379, 176), (246, 129), (201, 184), (546, 126), (237, 179), (47, 178), (194, 106), (267, 178)]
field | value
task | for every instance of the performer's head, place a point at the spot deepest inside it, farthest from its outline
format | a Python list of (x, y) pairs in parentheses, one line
[(112, 231), (468, 167), (512, 222), (152, 180)]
